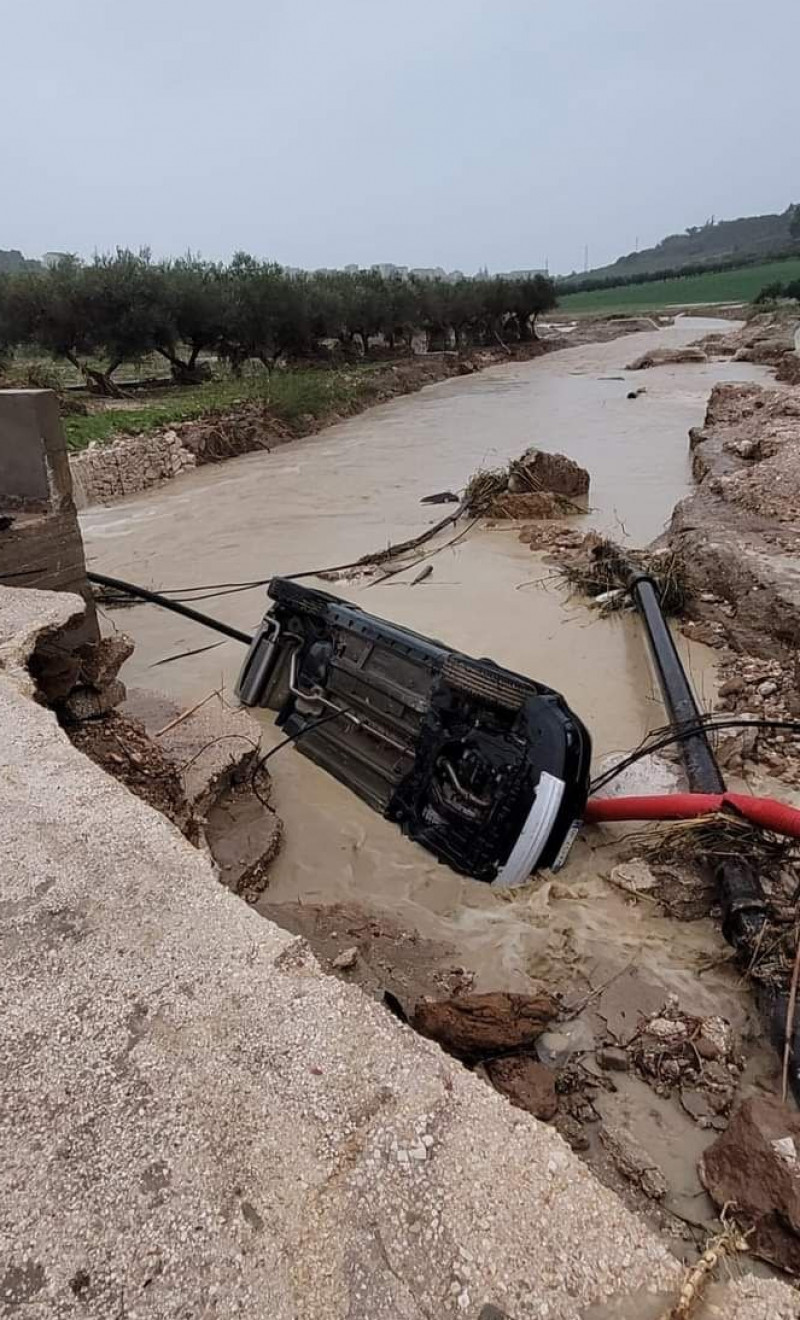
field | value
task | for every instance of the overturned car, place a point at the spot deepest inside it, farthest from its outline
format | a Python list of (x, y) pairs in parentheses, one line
[(485, 768)]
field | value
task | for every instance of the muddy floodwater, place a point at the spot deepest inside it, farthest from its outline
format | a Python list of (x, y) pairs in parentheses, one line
[(357, 486)]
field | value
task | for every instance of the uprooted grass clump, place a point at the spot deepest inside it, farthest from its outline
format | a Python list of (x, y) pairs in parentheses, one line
[(601, 568), (483, 488)]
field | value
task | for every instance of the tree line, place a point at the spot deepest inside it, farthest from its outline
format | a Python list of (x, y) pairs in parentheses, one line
[(124, 306)]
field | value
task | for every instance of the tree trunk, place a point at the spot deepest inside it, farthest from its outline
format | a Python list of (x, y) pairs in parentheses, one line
[(184, 373), (98, 382), (365, 342)]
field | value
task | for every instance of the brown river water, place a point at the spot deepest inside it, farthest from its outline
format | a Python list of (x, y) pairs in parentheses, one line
[(356, 487)]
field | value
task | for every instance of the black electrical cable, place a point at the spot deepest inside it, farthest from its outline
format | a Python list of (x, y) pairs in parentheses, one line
[(156, 598), (285, 742), (664, 738)]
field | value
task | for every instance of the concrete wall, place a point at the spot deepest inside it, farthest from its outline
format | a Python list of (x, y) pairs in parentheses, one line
[(42, 545)]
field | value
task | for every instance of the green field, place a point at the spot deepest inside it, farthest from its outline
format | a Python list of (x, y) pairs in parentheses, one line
[(291, 397), (740, 285)]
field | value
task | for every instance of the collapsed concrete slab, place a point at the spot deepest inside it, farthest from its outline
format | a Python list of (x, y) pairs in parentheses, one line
[(197, 1121)]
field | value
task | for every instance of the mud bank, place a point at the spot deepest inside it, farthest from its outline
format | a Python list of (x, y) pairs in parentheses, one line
[(738, 536)]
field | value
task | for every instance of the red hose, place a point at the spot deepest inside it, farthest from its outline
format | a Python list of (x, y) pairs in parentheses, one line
[(766, 812)]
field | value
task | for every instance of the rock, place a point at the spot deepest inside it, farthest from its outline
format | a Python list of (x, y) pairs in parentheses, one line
[(345, 960), (634, 1163), (768, 688), (89, 703), (476, 1025), (635, 877), (687, 891), (667, 1031), (756, 1165), (715, 1040), (573, 1132), (101, 661), (732, 686), (555, 1048), (695, 1102), (526, 1083), (613, 1059)]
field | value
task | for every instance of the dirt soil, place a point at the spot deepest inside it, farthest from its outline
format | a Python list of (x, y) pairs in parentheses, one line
[(381, 955), (229, 813), (739, 539), (124, 749)]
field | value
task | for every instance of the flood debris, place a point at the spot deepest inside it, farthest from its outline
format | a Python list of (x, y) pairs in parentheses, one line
[(659, 357), (684, 888), (754, 1168), (599, 569), (695, 1056), (698, 1276), (536, 485)]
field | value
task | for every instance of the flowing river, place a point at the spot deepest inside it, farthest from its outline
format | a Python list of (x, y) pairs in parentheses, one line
[(356, 487)]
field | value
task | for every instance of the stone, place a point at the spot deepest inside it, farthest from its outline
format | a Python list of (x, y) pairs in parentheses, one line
[(768, 688), (100, 662), (715, 1040), (613, 1059), (556, 1048), (346, 960), (573, 1132), (474, 1026), (635, 877), (732, 686), (755, 1164), (87, 703), (527, 1083), (633, 1162)]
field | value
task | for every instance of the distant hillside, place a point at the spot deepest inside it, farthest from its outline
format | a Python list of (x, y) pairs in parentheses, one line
[(716, 240)]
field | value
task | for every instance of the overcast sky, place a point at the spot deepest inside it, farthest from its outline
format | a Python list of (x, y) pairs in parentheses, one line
[(458, 133)]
